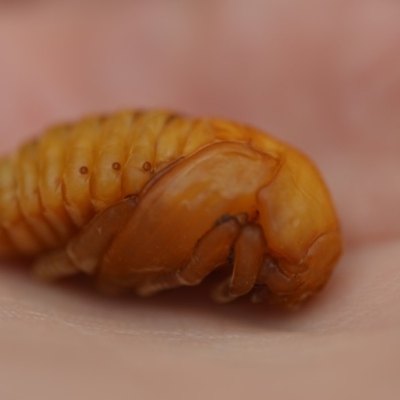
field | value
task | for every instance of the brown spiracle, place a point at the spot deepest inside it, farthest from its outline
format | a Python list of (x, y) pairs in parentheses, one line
[(147, 201)]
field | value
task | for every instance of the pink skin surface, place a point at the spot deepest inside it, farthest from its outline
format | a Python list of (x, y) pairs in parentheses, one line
[(324, 76)]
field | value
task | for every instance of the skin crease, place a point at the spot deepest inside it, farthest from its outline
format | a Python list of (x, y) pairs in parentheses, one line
[(323, 76)]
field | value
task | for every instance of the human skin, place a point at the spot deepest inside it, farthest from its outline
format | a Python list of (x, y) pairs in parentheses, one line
[(323, 77)]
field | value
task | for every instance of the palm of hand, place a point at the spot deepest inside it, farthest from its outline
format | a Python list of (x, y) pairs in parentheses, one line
[(317, 95)]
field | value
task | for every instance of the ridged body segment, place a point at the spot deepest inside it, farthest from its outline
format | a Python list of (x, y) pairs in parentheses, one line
[(53, 186)]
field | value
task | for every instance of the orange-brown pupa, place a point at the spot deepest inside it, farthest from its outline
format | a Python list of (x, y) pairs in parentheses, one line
[(148, 201)]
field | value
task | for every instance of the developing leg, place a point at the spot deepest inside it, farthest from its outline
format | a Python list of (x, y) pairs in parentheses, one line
[(84, 251), (211, 251), (248, 256)]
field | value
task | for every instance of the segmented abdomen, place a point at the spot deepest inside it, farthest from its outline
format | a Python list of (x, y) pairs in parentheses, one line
[(53, 186)]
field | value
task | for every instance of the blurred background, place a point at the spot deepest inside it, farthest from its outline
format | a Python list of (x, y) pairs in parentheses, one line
[(321, 68), (323, 75)]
